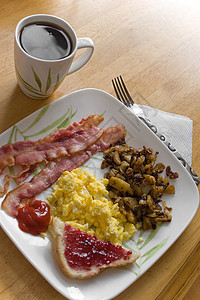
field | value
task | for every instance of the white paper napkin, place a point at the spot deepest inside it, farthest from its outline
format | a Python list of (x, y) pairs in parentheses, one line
[(177, 129)]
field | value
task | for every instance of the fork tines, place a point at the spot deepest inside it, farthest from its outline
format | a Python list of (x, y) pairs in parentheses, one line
[(121, 91)]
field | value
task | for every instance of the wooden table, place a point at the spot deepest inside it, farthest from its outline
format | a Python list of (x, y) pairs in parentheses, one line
[(155, 46)]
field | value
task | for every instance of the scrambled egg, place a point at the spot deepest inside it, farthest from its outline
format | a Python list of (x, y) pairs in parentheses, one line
[(79, 199)]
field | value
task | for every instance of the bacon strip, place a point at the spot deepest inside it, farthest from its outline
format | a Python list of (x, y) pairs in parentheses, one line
[(53, 170), (40, 150), (24, 174), (4, 190), (77, 142)]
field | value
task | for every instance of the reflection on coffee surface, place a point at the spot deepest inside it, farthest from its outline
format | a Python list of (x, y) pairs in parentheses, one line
[(45, 41)]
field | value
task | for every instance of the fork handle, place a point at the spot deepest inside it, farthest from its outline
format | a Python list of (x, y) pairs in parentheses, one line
[(171, 148)]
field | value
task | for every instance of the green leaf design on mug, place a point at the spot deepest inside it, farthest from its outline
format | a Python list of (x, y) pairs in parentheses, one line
[(57, 82), (36, 96), (37, 93), (28, 86), (48, 83), (37, 79)]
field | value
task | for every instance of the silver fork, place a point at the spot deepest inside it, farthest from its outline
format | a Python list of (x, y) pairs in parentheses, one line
[(124, 96), (122, 92)]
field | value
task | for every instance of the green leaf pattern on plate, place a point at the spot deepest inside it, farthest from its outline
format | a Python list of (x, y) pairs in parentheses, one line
[(140, 243), (38, 118), (150, 237), (51, 126), (61, 122), (154, 250), (11, 135), (67, 121)]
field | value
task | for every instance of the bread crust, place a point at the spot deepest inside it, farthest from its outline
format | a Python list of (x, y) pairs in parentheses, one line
[(57, 229)]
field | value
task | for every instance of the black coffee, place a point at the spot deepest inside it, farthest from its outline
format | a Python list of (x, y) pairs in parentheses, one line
[(45, 41)]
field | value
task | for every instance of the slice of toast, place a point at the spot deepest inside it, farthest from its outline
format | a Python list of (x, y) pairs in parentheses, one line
[(81, 256)]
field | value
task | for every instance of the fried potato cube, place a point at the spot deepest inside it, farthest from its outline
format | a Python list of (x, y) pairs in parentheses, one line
[(119, 184), (170, 189), (150, 179)]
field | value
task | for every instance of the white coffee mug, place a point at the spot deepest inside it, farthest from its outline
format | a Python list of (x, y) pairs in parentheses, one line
[(39, 78)]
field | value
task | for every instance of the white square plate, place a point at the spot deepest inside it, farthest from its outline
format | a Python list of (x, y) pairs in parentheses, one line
[(111, 282)]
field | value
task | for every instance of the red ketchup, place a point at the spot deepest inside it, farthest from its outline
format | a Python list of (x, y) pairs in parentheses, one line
[(82, 251), (34, 218)]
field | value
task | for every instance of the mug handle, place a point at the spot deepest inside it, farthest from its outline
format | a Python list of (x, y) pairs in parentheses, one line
[(81, 61)]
